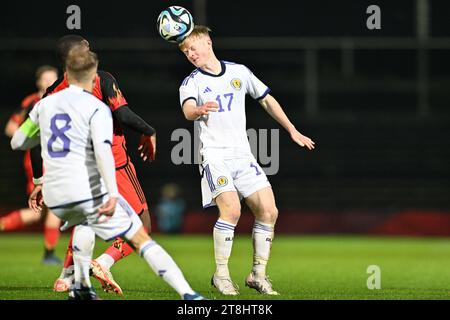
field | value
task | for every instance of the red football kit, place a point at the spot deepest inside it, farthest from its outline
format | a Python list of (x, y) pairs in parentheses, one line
[(19, 116)]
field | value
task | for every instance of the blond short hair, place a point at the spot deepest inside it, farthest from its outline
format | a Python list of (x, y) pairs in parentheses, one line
[(81, 62), (197, 32)]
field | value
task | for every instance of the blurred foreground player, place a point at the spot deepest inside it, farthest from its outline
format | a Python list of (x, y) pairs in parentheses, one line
[(75, 131), (214, 95), (45, 76), (107, 90)]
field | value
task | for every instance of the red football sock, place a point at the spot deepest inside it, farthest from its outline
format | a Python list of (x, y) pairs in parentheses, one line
[(51, 236), (12, 221), (68, 259), (119, 249)]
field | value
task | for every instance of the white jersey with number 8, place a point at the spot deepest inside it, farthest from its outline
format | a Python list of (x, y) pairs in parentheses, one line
[(65, 120)]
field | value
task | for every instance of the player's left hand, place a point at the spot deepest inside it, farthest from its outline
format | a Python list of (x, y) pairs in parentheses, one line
[(302, 140), (108, 208), (35, 200), (147, 147)]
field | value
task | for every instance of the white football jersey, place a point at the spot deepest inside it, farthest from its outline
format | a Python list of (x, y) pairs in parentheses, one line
[(70, 168), (223, 133)]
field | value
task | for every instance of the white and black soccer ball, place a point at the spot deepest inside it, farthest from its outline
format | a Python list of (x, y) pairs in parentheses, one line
[(174, 24)]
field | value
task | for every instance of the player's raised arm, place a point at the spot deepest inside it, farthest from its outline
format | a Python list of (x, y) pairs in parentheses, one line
[(10, 128), (271, 105), (14, 122), (123, 113), (147, 144)]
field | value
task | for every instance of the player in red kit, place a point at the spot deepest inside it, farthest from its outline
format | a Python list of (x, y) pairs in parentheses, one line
[(45, 76), (107, 89)]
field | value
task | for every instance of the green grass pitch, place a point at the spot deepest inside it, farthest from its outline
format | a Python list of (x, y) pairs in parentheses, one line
[(301, 267)]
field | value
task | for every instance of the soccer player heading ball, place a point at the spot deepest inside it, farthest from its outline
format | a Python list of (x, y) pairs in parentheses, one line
[(214, 95)]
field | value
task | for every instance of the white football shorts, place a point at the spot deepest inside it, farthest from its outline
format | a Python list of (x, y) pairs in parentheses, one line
[(243, 175), (124, 222)]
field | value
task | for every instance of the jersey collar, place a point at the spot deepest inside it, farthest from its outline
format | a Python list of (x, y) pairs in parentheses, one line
[(75, 88), (222, 64)]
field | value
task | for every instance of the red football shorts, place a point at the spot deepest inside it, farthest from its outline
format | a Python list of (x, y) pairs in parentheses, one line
[(130, 188)]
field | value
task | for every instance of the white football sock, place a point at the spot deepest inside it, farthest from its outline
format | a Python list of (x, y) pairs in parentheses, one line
[(106, 261), (164, 266), (83, 246), (64, 273), (223, 243), (67, 272), (263, 234)]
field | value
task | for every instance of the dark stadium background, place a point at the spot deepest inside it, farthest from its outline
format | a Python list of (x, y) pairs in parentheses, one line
[(375, 101)]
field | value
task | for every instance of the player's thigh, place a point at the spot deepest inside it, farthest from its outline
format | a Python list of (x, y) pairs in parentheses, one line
[(28, 216), (262, 204), (216, 180), (130, 188), (51, 220), (250, 177)]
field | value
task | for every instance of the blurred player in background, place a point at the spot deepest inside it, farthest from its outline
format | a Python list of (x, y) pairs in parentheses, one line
[(45, 76), (75, 131), (214, 94), (107, 90), (170, 209)]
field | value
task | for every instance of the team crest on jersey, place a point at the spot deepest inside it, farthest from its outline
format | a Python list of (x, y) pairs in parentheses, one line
[(222, 181), (236, 83)]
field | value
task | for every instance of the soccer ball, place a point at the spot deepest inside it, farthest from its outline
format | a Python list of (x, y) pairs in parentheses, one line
[(174, 24)]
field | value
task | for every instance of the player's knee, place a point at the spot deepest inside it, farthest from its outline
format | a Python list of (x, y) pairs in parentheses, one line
[(269, 215), (231, 212), (274, 214), (139, 238), (51, 220), (231, 217)]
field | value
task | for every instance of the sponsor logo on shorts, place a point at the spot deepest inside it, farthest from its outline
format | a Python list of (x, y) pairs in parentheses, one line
[(236, 83), (222, 181)]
